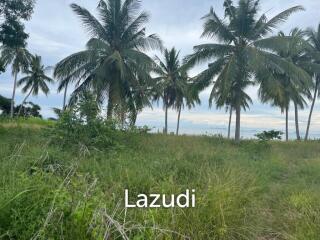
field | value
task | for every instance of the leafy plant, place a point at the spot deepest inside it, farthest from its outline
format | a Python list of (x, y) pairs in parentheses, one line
[(81, 125), (28, 109), (269, 135)]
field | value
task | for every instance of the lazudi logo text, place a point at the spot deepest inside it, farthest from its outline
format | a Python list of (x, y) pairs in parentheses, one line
[(183, 200)]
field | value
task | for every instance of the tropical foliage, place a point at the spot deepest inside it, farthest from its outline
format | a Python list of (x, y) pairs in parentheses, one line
[(113, 64), (244, 55), (285, 89), (12, 12), (116, 70), (314, 40), (35, 81), (19, 58)]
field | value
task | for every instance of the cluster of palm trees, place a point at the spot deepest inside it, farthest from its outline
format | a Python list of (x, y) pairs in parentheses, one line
[(243, 52), (36, 79)]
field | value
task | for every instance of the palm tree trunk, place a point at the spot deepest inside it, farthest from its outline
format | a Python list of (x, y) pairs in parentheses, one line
[(166, 120), (297, 121), (133, 119), (237, 133), (109, 108), (24, 100), (229, 126), (287, 128), (65, 98), (311, 110), (13, 95), (178, 123)]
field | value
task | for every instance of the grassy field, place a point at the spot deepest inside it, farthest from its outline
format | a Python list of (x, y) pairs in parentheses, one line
[(255, 190)]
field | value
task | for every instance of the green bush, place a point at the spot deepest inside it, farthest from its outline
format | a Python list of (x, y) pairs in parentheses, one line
[(71, 130), (269, 135)]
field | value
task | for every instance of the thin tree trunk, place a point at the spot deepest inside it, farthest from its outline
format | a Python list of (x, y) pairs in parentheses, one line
[(110, 107), (133, 119), (237, 133), (311, 110), (24, 100), (287, 120), (178, 123), (229, 126), (296, 115), (166, 120), (65, 98), (13, 95)]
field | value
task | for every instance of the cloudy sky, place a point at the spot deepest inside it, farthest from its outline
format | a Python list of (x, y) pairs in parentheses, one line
[(55, 32)]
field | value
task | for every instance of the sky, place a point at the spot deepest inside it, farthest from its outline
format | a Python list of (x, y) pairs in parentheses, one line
[(56, 32)]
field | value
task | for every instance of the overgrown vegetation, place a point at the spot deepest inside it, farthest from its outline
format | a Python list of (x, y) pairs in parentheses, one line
[(255, 190)]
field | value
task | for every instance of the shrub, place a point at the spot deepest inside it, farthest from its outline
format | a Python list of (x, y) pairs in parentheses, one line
[(70, 129), (269, 135)]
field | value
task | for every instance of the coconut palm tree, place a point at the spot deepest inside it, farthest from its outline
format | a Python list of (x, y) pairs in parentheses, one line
[(19, 59), (187, 95), (314, 40), (114, 63), (35, 81), (277, 91), (299, 52), (63, 86), (168, 80), (244, 53)]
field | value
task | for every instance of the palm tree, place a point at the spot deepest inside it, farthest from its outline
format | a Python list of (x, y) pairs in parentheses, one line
[(230, 120), (277, 91), (114, 63), (223, 96), (63, 86), (19, 59), (297, 51), (168, 80), (245, 54), (187, 95), (35, 81), (314, 40)]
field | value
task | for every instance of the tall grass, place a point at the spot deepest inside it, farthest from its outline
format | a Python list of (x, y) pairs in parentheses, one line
[(254, 190)]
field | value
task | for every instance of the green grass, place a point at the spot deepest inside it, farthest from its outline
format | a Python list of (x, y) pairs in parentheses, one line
[(25, 122), (254, 190)]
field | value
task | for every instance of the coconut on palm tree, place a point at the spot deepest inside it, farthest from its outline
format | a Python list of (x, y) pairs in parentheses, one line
[(244, 53), (114, 63), (35, 81), (19, 58)]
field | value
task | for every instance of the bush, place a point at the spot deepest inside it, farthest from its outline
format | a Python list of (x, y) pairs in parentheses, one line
[(70, 129), (269, 135)]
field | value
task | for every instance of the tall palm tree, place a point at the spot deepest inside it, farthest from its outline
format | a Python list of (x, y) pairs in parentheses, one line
[(168, 80), (277, 91), (114, 63), (297, 51), (19, 59), (35, 81), (314, 40), (222, 95), (187, 95), (63, 86), (244, 53), (230, 120)]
